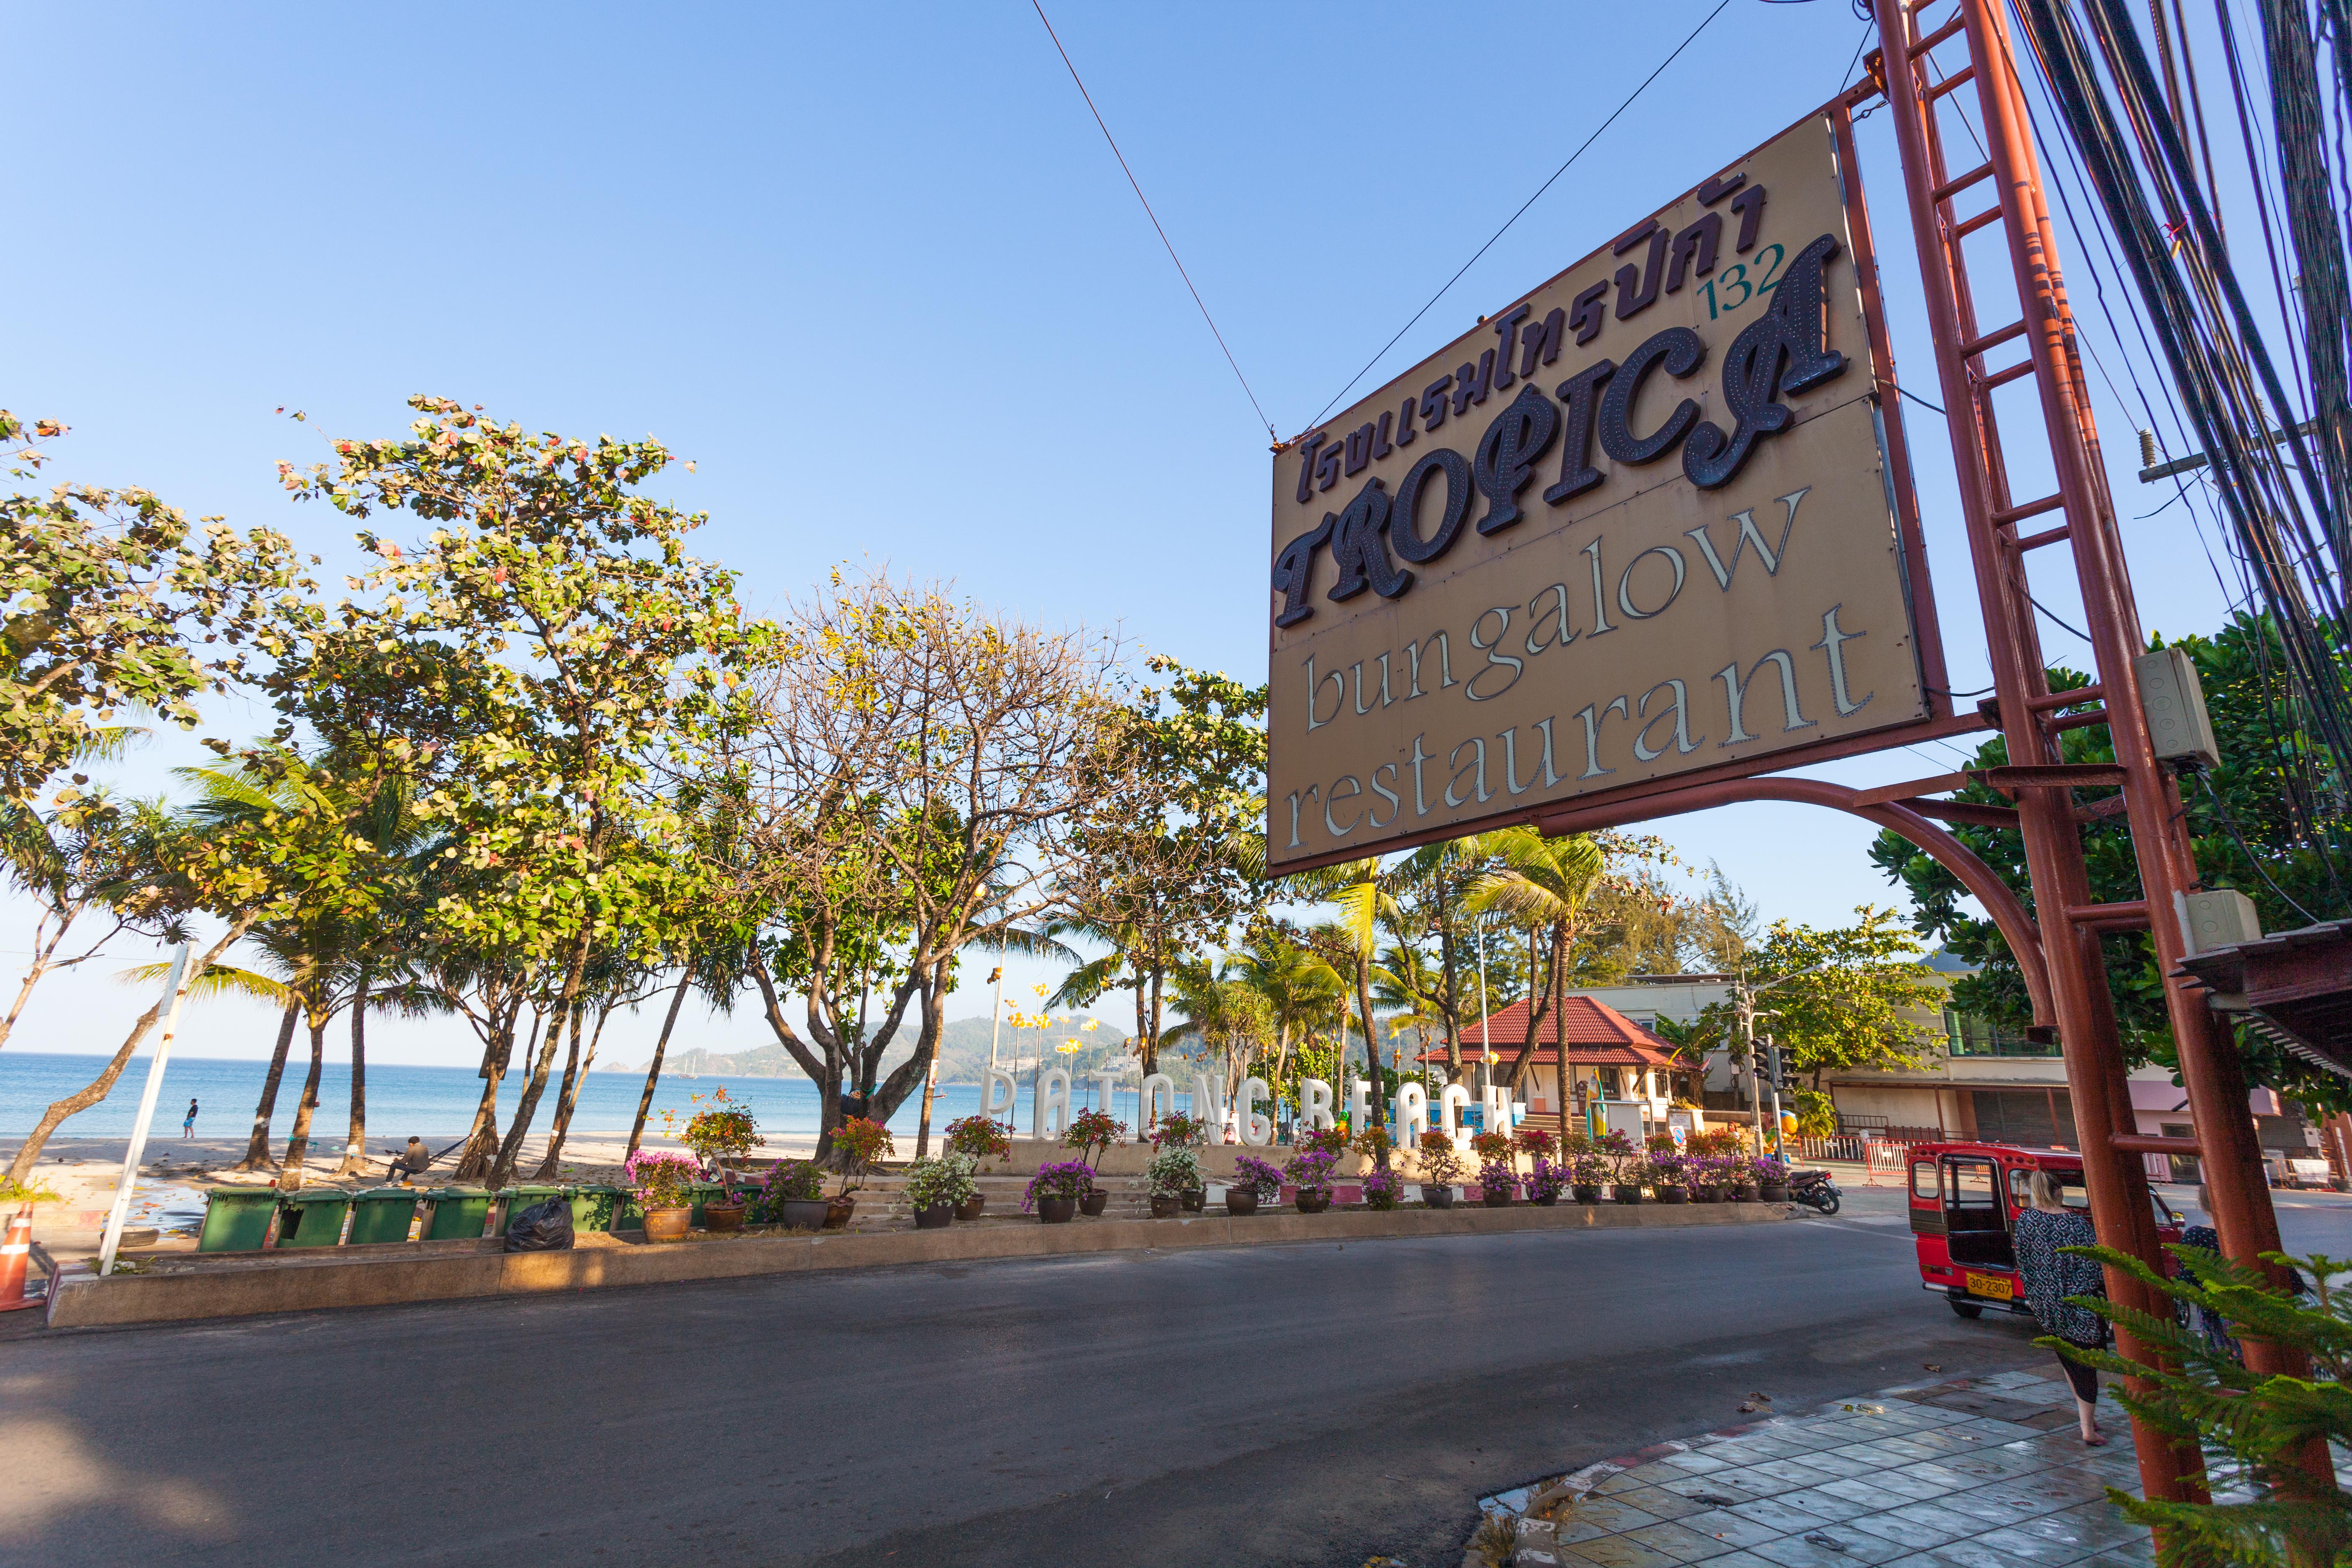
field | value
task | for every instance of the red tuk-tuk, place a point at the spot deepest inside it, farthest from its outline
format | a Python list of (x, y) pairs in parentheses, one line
[(1964, 1199)]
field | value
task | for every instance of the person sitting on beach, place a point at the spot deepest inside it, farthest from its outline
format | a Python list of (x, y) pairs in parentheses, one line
[(409, 1165)]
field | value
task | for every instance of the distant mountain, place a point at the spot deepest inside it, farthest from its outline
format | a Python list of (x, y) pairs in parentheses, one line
[(963, 1052)]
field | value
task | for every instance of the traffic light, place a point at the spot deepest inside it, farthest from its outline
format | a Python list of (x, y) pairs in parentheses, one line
[(1780, 1072)]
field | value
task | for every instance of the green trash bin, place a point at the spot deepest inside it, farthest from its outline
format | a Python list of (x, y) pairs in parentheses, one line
[(313, 1217), (458, 1214), (381, 1214), (236, 1219), (594, 1207), (517, 1199)]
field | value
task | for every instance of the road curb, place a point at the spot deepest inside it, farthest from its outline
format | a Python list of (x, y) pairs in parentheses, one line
[(314, 1284)]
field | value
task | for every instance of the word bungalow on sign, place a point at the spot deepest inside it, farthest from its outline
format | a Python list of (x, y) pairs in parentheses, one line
[(1639, 526), (1410, 1112)]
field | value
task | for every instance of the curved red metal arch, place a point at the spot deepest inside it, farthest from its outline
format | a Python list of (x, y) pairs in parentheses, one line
[(2006, 911)]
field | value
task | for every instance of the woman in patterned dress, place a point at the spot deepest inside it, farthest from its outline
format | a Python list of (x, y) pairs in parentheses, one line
[(2051, 1276)]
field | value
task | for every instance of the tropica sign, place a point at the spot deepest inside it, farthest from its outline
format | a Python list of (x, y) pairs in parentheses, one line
[(1637, 525)]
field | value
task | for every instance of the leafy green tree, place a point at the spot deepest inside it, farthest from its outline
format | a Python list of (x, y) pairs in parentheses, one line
[(112, 600), (2274, 790), (84, 861), (1543, 883), (568, 597), (1169, 853), (921, 768), (1852, 996)]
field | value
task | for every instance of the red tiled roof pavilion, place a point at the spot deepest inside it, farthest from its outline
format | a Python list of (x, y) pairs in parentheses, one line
[(1597, 1035)]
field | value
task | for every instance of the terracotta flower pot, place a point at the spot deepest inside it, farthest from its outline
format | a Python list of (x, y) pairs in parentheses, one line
[(805, 1214), (1056, 1211), (1435, 1197), (971, 1206), (1672, 1196), (1241, 1200), (1496, 1197), (1775, 1192), (1314, 1202), (669, 1223), (1166, 1208), (1545, 1200), (1744, 1193), (1196, 1199), (837, 1212), (938, 1216), (1626, 1194), (1586, 1194), (1093, 1202), (1707, 1194), (719, 1220)]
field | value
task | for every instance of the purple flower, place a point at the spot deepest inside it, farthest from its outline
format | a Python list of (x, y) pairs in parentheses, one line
[(1068, 1179), (1311, 1172), (1258, 1177)]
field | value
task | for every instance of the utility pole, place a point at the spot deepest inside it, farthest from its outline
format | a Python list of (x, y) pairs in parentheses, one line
[(997, 1027), (1773, 1058)]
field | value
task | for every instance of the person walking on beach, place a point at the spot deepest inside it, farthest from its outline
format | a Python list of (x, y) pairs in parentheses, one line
[(188, 1128), (2051, 1276)]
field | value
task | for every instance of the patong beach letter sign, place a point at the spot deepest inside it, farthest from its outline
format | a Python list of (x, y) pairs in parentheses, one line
[(1636, 525)]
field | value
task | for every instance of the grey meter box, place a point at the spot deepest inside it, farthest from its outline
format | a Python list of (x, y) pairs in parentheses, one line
[(2175, 707)]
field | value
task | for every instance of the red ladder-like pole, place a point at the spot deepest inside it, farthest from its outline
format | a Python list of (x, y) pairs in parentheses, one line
[(2005, 189)]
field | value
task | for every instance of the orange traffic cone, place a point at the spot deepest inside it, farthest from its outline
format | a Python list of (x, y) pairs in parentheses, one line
[(14, 1254)]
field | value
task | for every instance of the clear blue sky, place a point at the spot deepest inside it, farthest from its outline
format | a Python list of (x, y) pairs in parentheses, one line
[(875, 270)]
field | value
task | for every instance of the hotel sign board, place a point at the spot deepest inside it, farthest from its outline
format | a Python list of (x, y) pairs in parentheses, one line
[(1639, 527)]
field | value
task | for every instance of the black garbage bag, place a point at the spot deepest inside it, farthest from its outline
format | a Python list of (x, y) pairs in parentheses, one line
[(543, 1228)]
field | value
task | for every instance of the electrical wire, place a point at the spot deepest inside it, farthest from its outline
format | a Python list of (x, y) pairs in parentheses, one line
[(1556, 173), (2230, 826), (1154, 216), (2054, 620)]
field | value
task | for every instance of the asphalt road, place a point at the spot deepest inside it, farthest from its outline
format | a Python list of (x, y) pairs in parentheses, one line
[(1310, 1405)]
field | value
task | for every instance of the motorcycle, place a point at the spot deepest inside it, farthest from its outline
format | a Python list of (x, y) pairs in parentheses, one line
[(1814, 1190)]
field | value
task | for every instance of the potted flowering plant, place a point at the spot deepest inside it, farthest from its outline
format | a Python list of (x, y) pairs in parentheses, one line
[(1493, 1148), (1373, 1143), (1547, 1182), (1534, 1142), (793, 1196), (719, 1130), (934, 1188), (1588, 1171), (1382, 1188), (1177, 1131), (1706, 1176), (977, 1138), (1259, 1182), (1091, 1132), (663, 1183), (1744, 1180), (1773, 1179), (1311, 1173), (1625, 1163), (858, 1144), (1667, 1176), (1173, 1174), (1055, 1189), (1497, 1179), (1441, 1168)]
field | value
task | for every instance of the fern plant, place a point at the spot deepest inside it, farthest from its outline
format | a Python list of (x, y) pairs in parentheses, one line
[(2256, 1429)]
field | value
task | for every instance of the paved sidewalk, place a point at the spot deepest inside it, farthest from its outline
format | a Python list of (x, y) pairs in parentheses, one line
[(1982, 1472)]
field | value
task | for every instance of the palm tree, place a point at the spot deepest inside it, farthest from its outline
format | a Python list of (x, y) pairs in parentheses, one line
[(1223, 1013), (1365, 901), (1298, 985), (1543, 883)]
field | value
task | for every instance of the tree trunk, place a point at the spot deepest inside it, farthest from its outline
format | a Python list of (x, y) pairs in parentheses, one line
[(297, 1145), (20, 1168), (35, 970), (1560, 1026), (567, 1011), (482, 1138), (355, 1160), (257, 1156), (568, 1100), (1452, 1000), (661, 1048)]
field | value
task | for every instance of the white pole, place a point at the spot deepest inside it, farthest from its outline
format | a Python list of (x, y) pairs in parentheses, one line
[(138, 1145), (996, 1026)]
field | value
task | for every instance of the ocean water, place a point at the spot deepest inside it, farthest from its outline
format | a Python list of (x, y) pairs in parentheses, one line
[(426, 1101)]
